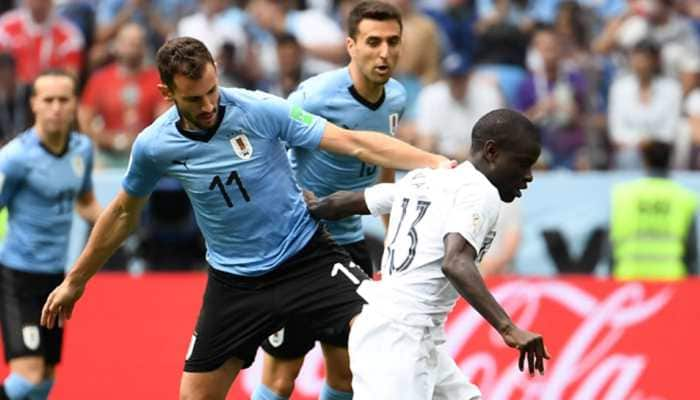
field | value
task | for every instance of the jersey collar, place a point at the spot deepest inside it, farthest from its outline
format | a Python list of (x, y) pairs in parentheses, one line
[(365, 102), (202, 135)]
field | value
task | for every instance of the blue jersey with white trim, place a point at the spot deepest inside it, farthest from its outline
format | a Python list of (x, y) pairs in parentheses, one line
[(237, 177), (332, 96), (39, 189)]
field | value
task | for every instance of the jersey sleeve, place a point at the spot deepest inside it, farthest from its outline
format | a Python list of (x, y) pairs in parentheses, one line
[(379, 198), (277, 118), (12, 173), (473, 215), (143, 171), (86, 187)]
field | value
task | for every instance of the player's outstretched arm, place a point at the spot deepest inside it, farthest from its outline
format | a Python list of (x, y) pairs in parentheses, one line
[(460, 269), (336, 206), (379, 149), (113, 226)]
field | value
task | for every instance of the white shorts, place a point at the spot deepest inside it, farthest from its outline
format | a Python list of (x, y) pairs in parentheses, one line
[(393, 361)]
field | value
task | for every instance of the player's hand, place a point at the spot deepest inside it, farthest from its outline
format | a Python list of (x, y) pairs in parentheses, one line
[(531, 346), (447, 163), (59, 305)]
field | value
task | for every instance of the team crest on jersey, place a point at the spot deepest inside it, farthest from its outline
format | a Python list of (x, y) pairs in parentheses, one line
[(78, 165), (277, 338), (242, 147), (30, 336), (393, 123)]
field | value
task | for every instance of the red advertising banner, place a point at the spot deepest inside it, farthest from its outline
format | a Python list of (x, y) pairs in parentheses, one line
[(609, 340)]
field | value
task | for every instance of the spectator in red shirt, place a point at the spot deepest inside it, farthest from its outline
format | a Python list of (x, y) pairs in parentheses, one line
[(38, 39), (121, 99)]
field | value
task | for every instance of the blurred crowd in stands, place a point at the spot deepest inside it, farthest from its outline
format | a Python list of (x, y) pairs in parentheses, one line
[(600, 77)]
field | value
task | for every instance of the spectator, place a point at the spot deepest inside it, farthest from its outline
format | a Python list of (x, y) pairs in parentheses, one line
[(217, 22), (158, 17), (448, 108), (456, 23), (319, 35), (290, 56), (38, 39), (690, 81), (554, 98), (644, 105), (658, 21), (113, 121), (15, 113), (652, 224)]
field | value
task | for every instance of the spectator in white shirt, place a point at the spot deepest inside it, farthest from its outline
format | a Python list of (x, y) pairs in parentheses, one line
[(447, 110), (644, 105)]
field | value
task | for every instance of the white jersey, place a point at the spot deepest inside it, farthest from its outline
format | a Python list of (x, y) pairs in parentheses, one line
[(425, 206)]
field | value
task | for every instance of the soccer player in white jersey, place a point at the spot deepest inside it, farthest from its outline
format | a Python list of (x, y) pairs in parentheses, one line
[(442, 223)]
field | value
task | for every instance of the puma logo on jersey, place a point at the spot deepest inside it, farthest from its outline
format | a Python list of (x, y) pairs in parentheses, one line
[(183, 163)]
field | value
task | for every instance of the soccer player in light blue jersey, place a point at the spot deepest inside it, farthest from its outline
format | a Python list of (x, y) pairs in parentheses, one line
[(268, 258), (359, 96), (45, 173)]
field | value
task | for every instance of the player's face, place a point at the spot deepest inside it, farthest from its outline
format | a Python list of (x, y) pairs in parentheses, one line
[(376, 49), (197, 100), (511, 170), (54, 103)]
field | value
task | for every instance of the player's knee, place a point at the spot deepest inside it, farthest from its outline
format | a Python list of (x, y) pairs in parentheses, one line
[(282, 384), (339, 379)]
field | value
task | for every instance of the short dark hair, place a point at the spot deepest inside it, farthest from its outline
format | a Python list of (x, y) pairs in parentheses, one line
[(185, 56), (58, 73), (372, 9), (657, 154), (505, 127), (286, 38)]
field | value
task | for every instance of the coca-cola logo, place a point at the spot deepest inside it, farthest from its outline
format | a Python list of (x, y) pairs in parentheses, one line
[(585, 333)]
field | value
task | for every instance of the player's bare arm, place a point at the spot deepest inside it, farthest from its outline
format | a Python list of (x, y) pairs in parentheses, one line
[(113, 227), (87, 207), (336, 206), (379, 149), (459, 267)]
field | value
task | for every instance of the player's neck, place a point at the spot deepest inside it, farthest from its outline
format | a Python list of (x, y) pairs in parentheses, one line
[(55, 142), (369, 91)]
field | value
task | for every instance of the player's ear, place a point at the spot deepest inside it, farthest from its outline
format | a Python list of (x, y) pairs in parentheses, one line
[(165, 92), (490, 152), (350, 46)]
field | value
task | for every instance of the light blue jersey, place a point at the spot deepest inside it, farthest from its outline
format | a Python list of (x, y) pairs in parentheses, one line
[(39, 190), (332, 96), (237, 176)]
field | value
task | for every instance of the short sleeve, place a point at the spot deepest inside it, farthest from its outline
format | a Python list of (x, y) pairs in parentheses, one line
[(89, 162), (278, 118), (692, 104), (473, 215), (379, 198), (12, 173), (143, 173)]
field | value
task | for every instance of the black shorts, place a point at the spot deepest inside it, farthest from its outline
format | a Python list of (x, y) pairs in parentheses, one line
[(23, 296), (295, 339), (238, 313)]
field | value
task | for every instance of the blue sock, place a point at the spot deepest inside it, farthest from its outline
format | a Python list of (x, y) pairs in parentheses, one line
[(41, 391), (263, 392), (16, 386), (328, 393)]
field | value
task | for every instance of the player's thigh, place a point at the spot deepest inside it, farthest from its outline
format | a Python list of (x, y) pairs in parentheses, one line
[(451, 383), (211, 385), (291, 342), (359, 254), (325, 294), (22, 297), (236, 316), (388, 361)]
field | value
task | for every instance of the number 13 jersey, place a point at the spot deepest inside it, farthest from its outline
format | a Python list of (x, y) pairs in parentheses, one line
[(425, 206)]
